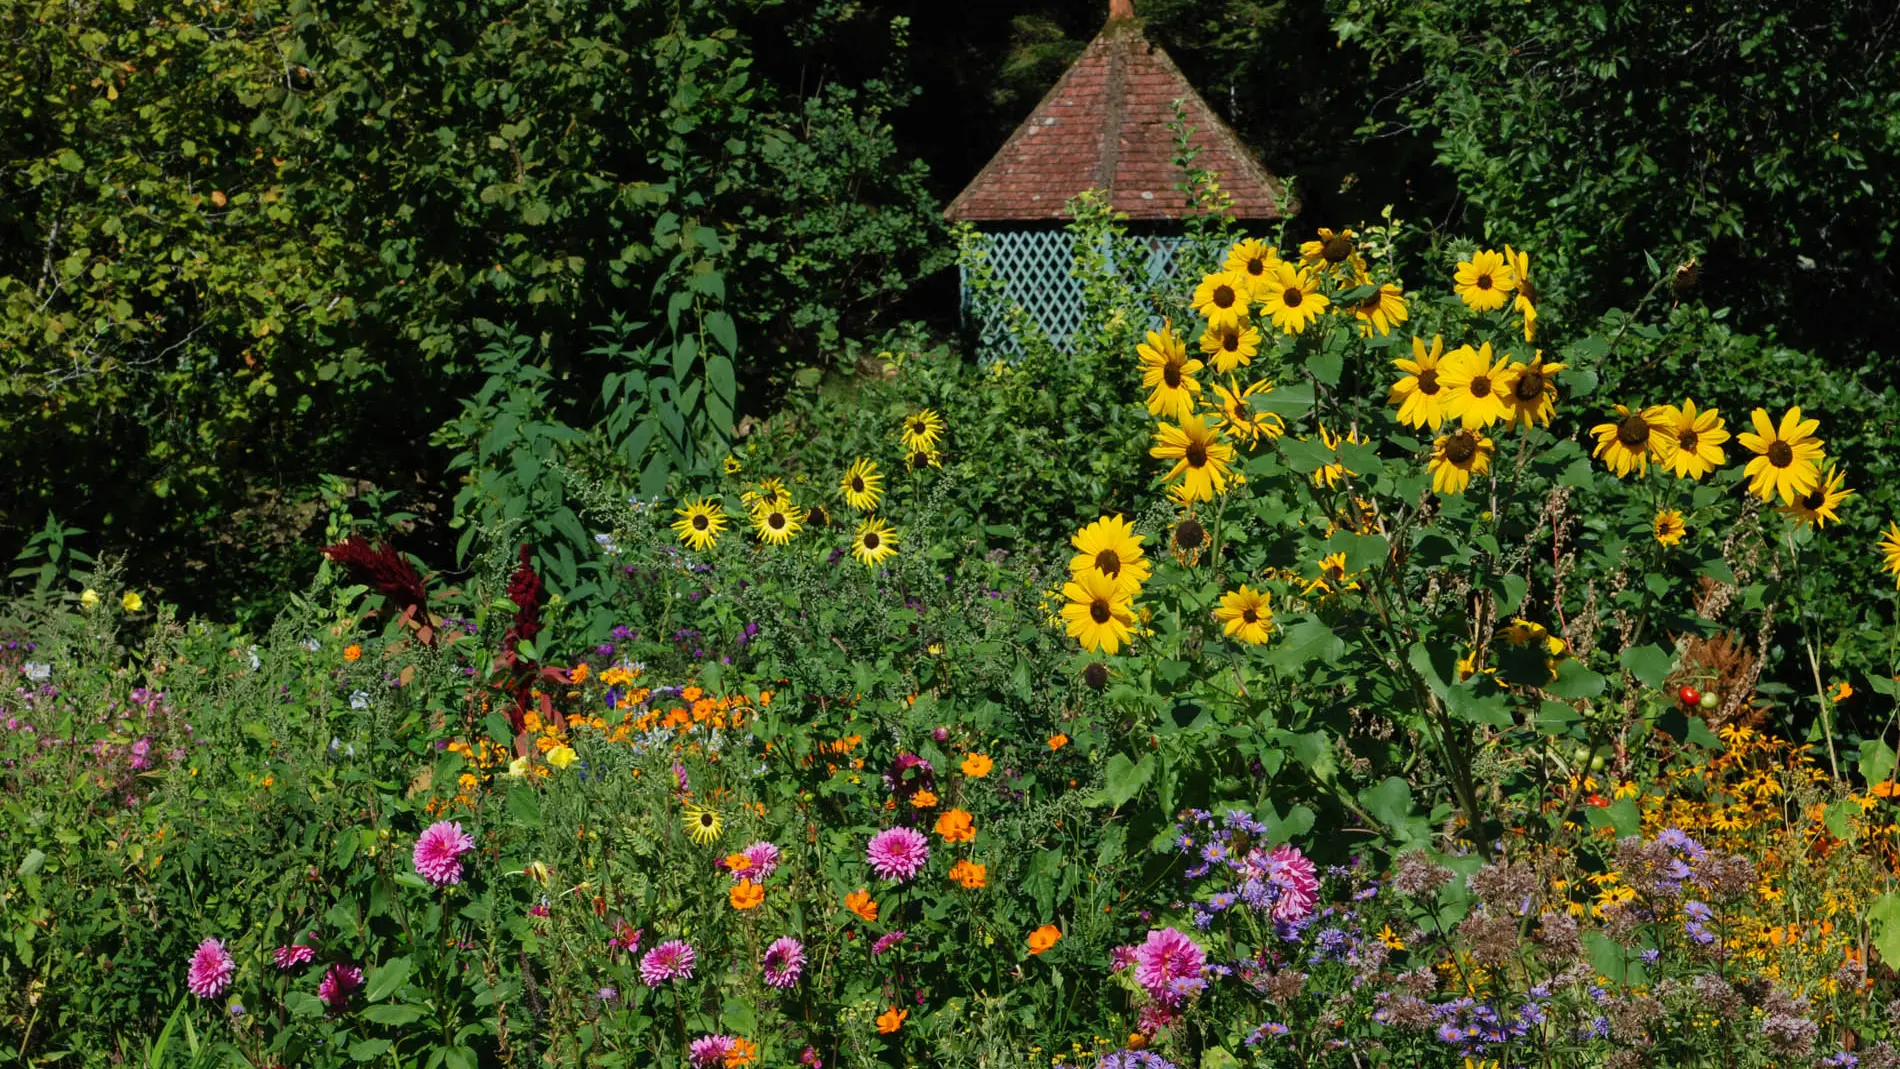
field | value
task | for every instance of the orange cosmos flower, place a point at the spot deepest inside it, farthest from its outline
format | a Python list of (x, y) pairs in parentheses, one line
[(1058, 741), (955, 827), (977, 765), (1043, 938), (745, 895), (742, 1052), (859, 902), (970, 874), (923, 799), (352, 651), (891, 1020)]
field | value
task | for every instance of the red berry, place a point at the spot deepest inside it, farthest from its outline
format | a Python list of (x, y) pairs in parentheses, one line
[(1689, 696)]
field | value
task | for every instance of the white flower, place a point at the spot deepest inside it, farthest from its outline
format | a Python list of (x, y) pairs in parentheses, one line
[(312, 645), (256, 662), (37, 671), (359, 699)]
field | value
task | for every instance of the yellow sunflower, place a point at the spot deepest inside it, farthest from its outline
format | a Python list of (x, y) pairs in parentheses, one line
[(1457, 457), (862, 485), (1253, 258), (1100, 612), (921, 431), (1246, 615), (1230, 347), (1788, 457), (770, 491), (1292, 298), (1530, 392), (874, 542), (1168, 373), (776, 522), (1699, 438), (1330, 475), (1222, 298), (1669, 527), (1485, 281), (1474, 386), (703, 823), (1420, 395), (1818, 505), (1332, 577), (1240, 418), (1526, 300), (1201, 459), (1334, 253), (1111, 546), (732, 464), (700, 523), (919, 459), (1383, 308), (1889, 546), (1636, 438)]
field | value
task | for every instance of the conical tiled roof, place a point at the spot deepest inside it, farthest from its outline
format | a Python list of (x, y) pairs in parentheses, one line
[(1105, 126)]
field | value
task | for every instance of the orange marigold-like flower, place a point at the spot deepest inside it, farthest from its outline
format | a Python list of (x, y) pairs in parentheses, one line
[(579, 674), (352, 651), (1043, 938), (955, 827), (691, 694), (891, 1020), (745, 895), (970, 874), (923, 799), (1058, 741), (741, 1052), (859, 902), (977, 765)]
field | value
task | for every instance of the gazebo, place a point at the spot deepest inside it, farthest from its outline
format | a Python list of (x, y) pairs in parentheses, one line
[(1104, 126)]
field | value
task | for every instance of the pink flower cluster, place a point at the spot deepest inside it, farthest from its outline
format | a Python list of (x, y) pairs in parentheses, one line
[(671, 960), (439, 851), (761, 861), (784, 962), (1168, 965), (293, 956), (210, 971), (1295, 875), (897, 854), (338, 984), (709, 1050)]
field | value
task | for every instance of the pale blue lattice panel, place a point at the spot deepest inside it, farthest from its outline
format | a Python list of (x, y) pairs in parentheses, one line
[(1037, 270)]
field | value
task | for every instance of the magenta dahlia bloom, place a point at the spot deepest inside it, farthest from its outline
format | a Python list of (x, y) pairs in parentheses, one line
[(886, 942), (762, 861), (439, 850), (784, 961), (671, 960), (898, 853), (294, 955), (338, 984), (1166, 958), (709, 1050), (210, 971), (1298, 880)]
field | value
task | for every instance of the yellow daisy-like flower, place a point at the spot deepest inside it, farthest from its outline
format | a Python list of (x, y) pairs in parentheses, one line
[(1168, 374), (1222, 298), (1230, 347), (1383, 308), (1787, 458), (700, 523), (131, 602), (874, 543), (1530, 392), (1253, 258), (1699, 438), (862, 485), (1669, 527), (1246, 615), (1636, 438), (1485, 281), (1474, 386), (1526, 299), (1889, 546), (1817, 505), (1100, 612), (1201, 459), (921, 431), (1332, 577), (1291, 298), (1420, 395), (776, 522), (1457, 457), (1334, 253), (703, 824), (1330, 475), (1111, 547), (732, 464), (1240, 418), (770, 491), (926, 458)]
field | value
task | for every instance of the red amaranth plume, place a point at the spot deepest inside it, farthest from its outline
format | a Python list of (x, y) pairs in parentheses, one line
[(524, 589), (384, 570)]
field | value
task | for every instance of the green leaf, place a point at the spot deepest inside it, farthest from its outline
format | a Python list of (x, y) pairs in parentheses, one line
[(1288, 402), (1297, 822), (1876, 762), (1650, 664), (393, 1014), (1362, 551), (1575, 681), (523, 807), (723, 330), (1883, 920), (1306, 641), (303, 1004), (387, 977), (1621, 815), (1390, 802), (1839, 819), (364, 1050), (738, 1016), (1123, 779), (1305, 455), (32, 862)]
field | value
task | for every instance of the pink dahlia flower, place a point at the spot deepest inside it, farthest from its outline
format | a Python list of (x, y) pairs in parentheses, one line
[(1166, 959), (709, 1050), (211, 970), (671, 960), (762, 861), (294, 955), (1298, 880), (784, 961), (886, 942), (439, 850), (898, 854), (338, 984)]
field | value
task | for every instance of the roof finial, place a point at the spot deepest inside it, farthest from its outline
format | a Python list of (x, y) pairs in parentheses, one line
[(1120, 9)]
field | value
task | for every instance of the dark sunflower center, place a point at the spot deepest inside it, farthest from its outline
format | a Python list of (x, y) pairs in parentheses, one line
[(1243, 412), (1688, 439), (705, 820), (1196, 455), (1428, 381), (1098, 611), (857, 484), (1526, 290), (776, 521), (919, 461), (1484, 281), (1814, 500), (1171, 374), (1780, 454), (1257, 266), (1633, 432), (1460, 448), (1108, 563), (1230, 341), (1336, 248), (1250, 616), (1223, 296), (1188, 534), (1480, 386), (870, 540), (1529, 386), (1292, 297), (700, 522)]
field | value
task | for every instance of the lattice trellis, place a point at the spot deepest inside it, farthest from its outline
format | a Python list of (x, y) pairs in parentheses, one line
[(1036, 269)]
